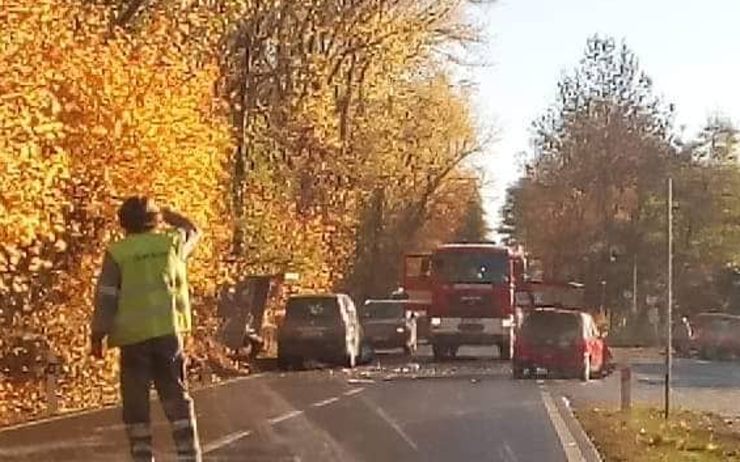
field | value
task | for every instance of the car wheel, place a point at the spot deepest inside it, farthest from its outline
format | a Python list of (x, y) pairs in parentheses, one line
[(367, 353), (505, 350), (286, 363), (439, 351), (517, 370), (282, 363), (585, 372)]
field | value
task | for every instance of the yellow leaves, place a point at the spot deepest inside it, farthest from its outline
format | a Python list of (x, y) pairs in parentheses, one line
[(99, 130), (87, 119), (60, 246), (48, 128), (83, 123)]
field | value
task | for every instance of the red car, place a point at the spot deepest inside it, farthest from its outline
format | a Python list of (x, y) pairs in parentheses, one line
[(563, 342)]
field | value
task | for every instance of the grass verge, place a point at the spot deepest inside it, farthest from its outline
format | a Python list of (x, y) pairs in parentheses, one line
[(645, 436)]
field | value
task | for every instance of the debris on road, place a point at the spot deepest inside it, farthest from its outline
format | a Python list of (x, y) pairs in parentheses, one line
[(359, 381)]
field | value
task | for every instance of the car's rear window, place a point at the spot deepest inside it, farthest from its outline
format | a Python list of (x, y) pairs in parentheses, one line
[(375, 310), (321, 309), (551, 325)]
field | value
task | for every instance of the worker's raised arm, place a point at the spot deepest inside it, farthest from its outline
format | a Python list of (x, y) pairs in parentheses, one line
[(189, 229)]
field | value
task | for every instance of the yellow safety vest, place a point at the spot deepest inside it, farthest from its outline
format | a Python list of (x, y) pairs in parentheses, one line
[(153, 299)]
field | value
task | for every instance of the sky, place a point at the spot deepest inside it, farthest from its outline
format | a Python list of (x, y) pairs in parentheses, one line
[(690, 49)]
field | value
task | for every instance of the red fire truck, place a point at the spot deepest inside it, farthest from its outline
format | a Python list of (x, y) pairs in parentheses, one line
[(469, 288)]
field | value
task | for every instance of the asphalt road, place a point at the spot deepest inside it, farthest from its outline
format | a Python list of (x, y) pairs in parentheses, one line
[(712, 386), (395, 409)]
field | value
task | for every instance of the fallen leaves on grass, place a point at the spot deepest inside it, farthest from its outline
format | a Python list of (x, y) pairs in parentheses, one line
[(644, 435)]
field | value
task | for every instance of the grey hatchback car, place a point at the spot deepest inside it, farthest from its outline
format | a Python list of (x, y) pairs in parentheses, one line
[(388, 324), (323, 327)]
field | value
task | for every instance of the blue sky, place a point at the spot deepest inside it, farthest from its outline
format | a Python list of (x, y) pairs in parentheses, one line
[(689, 48)]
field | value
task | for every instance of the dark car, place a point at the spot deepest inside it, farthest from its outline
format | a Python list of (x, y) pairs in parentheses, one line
[(563, 342), (715, 335), (388, 324), (323, 327)]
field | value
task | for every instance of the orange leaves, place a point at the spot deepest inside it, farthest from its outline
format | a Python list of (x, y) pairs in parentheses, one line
[(87, 118), (84, 121)]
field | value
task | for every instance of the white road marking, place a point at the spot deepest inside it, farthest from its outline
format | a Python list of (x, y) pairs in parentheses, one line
[(325, 402), (394, 425), (353, 391), (507, 454), (225, 441), (570, 446), (29, 450), (284, 417)]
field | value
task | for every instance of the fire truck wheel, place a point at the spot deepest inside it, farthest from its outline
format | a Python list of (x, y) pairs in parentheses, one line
[(452, 351)]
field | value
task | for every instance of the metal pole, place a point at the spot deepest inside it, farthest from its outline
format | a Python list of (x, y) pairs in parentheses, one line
[(669, 313), (626, 388), (634, 285)]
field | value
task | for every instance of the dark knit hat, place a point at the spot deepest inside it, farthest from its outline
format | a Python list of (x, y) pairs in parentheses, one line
[(138, 214)]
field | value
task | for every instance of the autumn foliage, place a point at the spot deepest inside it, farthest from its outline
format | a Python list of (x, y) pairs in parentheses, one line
[(593, 204), (305, 158)]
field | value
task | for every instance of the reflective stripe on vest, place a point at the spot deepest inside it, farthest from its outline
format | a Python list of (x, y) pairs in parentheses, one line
[(153, 298)]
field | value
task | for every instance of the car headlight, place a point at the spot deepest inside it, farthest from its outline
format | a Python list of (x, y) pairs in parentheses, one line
[(400, 330), (436, 322)]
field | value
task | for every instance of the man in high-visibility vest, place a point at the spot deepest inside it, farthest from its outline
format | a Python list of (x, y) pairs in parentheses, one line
[(142, 306)]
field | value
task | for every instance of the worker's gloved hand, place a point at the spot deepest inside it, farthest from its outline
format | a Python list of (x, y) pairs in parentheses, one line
[(97, 348)]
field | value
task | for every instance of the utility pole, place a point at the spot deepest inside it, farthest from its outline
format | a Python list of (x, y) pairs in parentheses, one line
[(669, 308), (377, 233), (634, 284)]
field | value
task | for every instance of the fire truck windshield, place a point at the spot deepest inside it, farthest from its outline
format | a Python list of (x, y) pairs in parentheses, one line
[(470, 268)]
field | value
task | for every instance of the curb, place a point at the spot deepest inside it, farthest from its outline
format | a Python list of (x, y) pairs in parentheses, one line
[(588, 448)]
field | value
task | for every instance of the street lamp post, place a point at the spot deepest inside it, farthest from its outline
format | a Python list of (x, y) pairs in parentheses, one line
[(634, 284), (669, 304)]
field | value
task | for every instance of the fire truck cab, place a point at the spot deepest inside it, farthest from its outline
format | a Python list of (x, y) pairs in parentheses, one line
[(471, 289)]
